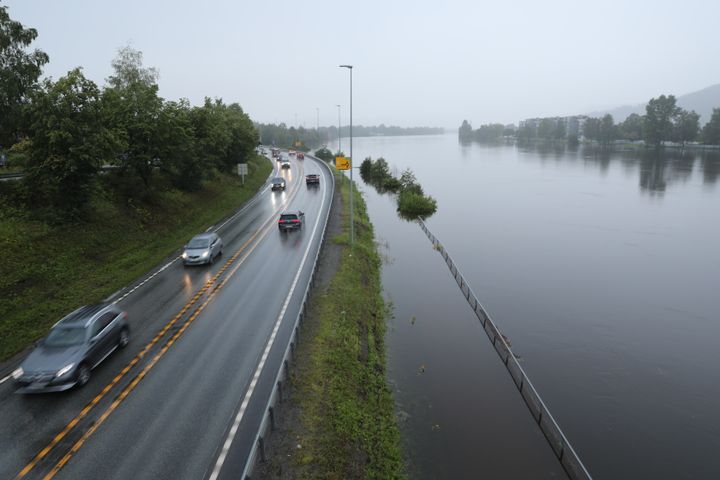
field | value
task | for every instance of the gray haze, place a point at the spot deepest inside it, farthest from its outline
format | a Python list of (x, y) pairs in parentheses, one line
[(416, 62)]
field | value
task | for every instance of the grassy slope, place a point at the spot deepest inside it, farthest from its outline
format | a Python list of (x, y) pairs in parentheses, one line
[(48, 271), (348, 427)]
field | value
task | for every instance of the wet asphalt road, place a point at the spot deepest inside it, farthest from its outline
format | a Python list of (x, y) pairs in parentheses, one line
[(162, 407)]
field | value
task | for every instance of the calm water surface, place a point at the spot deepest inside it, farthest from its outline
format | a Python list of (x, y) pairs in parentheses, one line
[(604, 272)]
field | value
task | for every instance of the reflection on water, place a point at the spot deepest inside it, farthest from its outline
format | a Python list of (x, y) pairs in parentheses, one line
[(603, 269), (656, 170)]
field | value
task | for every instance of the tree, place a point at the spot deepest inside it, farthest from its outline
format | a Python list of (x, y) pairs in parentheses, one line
[(632, 128), (69, 144), (324, 154), (687, 126), (132, 108), (19, 71), (177, 154), (491, 132), (465, 130), (243, 136), (128, 69), (591, 128), (658, 120), (212, 133), (546, 129), (711, 130), (607, 133)]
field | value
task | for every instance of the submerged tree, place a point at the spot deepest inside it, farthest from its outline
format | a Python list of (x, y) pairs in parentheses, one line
[(632, 128), (658, 120), (687, 126), (711, 130)]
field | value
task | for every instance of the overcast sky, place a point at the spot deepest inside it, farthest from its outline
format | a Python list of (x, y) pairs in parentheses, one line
[(417, 63)]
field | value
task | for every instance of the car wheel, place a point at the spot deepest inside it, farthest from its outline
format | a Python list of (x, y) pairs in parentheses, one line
[(124, 338), (83, 375)]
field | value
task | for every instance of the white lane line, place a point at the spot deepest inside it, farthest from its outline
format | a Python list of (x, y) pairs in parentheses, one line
[(243, 407), (4, 379), (160, 270), (167, 265)]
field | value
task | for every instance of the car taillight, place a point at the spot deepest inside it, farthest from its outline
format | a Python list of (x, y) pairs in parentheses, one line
[(295, 221)]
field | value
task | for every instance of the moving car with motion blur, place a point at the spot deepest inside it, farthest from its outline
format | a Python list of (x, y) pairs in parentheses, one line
[(75, 345), (312, 180), (203, 249), (278, 183), (291, 220), (301, 156), (285, 163)]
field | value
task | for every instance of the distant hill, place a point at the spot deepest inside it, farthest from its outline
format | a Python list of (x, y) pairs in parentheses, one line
[(703, 101)]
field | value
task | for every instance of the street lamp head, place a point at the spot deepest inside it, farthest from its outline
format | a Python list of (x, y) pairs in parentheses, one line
[(346, 66)]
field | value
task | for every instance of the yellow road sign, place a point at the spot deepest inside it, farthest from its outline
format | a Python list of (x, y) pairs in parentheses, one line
[(342, 163)]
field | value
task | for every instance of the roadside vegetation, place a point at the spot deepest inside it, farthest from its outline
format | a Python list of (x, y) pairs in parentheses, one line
[(411, 199), (346, 424), (115, 179), (52, 269)]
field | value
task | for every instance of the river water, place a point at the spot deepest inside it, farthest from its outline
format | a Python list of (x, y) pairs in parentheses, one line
[(603, 270)]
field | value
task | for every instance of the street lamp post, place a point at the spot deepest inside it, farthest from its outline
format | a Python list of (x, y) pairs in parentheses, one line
[(339, 149), (352, 220)]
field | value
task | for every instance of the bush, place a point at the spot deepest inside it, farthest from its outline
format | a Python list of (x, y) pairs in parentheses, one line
[(324, 154), (412, 205)]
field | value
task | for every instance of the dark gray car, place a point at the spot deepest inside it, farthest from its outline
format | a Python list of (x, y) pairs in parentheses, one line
[(75, 345)]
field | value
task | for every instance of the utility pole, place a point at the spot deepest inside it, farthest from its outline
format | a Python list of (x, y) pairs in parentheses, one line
[(339, 136), (352, 220)]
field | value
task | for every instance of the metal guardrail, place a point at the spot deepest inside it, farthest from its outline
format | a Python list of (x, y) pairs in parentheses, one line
[(564, 452), (268, 422)]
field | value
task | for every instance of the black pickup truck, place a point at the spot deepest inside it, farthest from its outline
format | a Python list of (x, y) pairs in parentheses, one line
[(312, 179)]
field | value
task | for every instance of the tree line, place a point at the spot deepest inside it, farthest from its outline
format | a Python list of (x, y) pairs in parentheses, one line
[(283, 136), (64, 132), (663, 121)]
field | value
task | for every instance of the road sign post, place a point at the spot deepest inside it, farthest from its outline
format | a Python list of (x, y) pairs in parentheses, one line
[(343, 163), (242, 171)]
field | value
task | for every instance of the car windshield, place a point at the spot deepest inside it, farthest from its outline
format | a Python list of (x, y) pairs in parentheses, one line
[(65, 336), (288, 217), (199, 243), (278, 180)]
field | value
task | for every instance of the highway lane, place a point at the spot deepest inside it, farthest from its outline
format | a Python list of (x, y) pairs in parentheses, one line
[(173, 420)]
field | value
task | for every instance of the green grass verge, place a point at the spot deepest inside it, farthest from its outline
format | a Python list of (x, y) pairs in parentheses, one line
[(49, 271), (348, 426)]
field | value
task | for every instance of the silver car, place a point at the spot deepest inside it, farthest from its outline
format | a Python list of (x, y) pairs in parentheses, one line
[(75, 345), (203, 249)]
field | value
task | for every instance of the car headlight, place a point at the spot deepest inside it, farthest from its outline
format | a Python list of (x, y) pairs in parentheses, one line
[(205, 254), (17, 373), (64, 370), (184, 255)]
